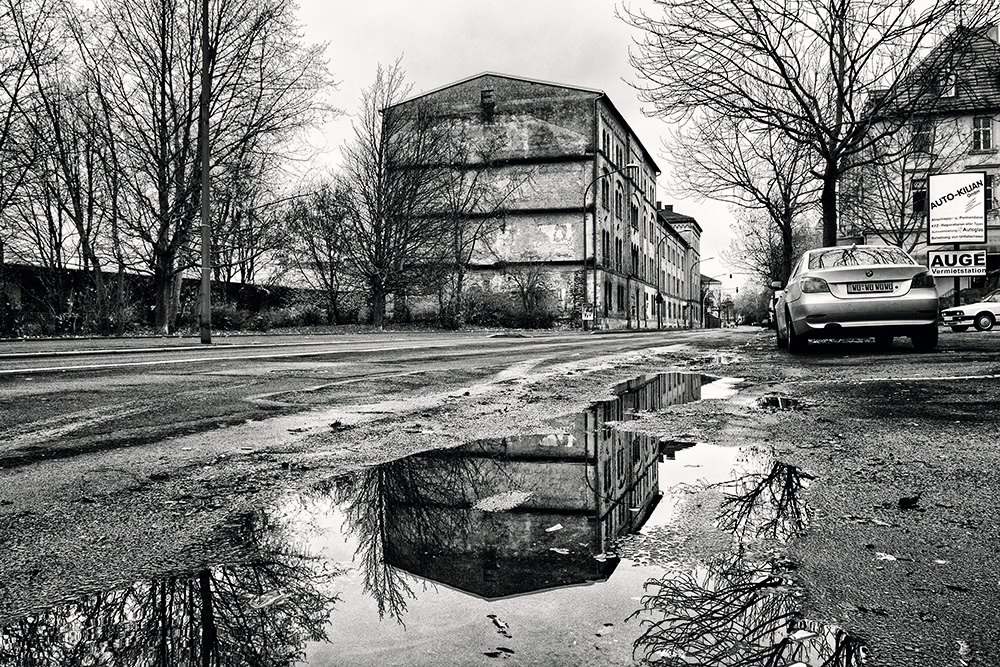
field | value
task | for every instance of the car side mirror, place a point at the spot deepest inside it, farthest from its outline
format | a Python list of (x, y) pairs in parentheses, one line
[(776, 285)]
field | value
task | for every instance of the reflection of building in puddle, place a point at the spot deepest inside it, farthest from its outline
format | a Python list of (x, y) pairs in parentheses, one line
[(732, 613), (508, 516)]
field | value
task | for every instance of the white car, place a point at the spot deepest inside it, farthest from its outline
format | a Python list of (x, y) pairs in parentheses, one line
[(857, 291), (983, 314)]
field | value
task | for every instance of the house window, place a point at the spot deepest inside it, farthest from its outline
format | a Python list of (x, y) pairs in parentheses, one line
[(982, 133), (619, 200), (922, 140), (989, 192), (948, 86), (635, 217), (618, 254), (918, 188), (606, 191), (605, 246), (488, 104)]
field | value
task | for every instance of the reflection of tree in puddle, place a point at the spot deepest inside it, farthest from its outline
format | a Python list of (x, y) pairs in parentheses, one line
[(768, 504), (261, 612), (732, 613)]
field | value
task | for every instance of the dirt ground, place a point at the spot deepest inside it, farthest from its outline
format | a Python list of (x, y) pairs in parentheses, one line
[(902, 538)]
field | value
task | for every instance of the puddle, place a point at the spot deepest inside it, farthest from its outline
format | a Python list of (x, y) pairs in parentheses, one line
[(503, 549), (779, 403)]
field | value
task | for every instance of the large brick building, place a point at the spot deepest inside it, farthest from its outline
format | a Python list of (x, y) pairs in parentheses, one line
[(612, 255)]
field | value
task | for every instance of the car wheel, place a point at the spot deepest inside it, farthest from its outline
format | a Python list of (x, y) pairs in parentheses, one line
[(796, 343), (984, 321), (780, 338), (883, 340), (960, 328), (926, 339)]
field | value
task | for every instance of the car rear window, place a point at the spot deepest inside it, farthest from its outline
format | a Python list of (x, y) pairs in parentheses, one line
[(848, 256)]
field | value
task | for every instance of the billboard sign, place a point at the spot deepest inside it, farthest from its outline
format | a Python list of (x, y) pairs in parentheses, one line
[(957, 262), (957, 208)]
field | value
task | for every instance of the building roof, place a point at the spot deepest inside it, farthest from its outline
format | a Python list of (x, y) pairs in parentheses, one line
[(971, 57), (671, 217), (600, 94)]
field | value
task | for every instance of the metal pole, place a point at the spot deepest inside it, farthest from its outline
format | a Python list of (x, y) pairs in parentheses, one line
[(206, 223)]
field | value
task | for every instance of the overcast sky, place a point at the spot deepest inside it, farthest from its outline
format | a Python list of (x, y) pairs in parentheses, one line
[(574, 42)]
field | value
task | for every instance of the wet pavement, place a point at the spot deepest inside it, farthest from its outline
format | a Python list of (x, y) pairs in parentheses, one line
[(554, 548)]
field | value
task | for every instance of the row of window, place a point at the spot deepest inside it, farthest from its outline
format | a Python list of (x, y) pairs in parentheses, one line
[(982, 135), (616, 300)]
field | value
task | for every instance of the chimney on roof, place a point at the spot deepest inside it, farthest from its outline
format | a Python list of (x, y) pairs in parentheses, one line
[(669, 208)]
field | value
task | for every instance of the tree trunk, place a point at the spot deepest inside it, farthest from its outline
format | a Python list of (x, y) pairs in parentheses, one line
[(162, 288), (378, 307), (828, 198), (209, 633)]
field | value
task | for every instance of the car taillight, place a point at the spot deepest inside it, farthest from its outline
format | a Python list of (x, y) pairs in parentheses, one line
[(813, 285), (923, 280)]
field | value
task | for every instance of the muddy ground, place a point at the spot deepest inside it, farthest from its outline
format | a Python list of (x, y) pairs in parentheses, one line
[(902, 537)]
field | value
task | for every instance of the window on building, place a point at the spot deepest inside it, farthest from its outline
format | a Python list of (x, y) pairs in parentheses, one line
[(918, 190), (989, 192), (949, 86), (487, 104), (982, 133), (634, 217), (621, 298), (922, 139), (619, 199), (605, 246), (618, 254), (606, 191)]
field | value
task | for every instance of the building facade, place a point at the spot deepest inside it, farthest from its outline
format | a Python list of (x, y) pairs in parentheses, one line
[(588, 215), (956, 131)]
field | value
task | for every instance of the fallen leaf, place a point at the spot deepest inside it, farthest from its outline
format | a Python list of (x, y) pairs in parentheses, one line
[(554, 528)]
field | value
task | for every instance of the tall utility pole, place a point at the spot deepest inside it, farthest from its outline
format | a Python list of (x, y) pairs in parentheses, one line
[(206, 223)]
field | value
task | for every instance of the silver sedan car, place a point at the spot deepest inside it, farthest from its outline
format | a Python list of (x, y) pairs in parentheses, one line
[(857, 291)]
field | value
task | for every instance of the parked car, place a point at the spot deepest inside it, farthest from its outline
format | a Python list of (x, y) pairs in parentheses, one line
[(983, 314), (857, 291)]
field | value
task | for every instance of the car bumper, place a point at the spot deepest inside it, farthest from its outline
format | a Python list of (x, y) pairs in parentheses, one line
[(957, 320), (826, 316)]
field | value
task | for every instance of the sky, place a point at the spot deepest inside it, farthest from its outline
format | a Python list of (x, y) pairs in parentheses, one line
[(573, 42)]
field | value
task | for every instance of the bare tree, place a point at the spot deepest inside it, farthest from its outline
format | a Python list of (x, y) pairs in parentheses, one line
[(394, 174), (887, 196), (836, 76), (477, 193), (730, 160), (760, 248), (266, 88), (317, 243)]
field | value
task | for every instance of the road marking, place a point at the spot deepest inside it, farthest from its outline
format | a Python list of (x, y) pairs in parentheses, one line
[(508, 343)]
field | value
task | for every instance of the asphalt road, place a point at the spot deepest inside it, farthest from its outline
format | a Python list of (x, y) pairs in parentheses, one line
[(126, 459)]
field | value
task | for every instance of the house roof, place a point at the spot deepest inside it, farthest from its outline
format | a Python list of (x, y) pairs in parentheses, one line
[(600, 94), (972, 57)]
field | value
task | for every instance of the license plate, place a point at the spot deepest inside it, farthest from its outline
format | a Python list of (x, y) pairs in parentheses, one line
[(868, 288)]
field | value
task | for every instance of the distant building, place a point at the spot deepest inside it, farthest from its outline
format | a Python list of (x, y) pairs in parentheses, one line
[(612, 256)]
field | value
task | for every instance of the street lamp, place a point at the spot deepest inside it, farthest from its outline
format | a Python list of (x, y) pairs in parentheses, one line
[(583, 229)]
